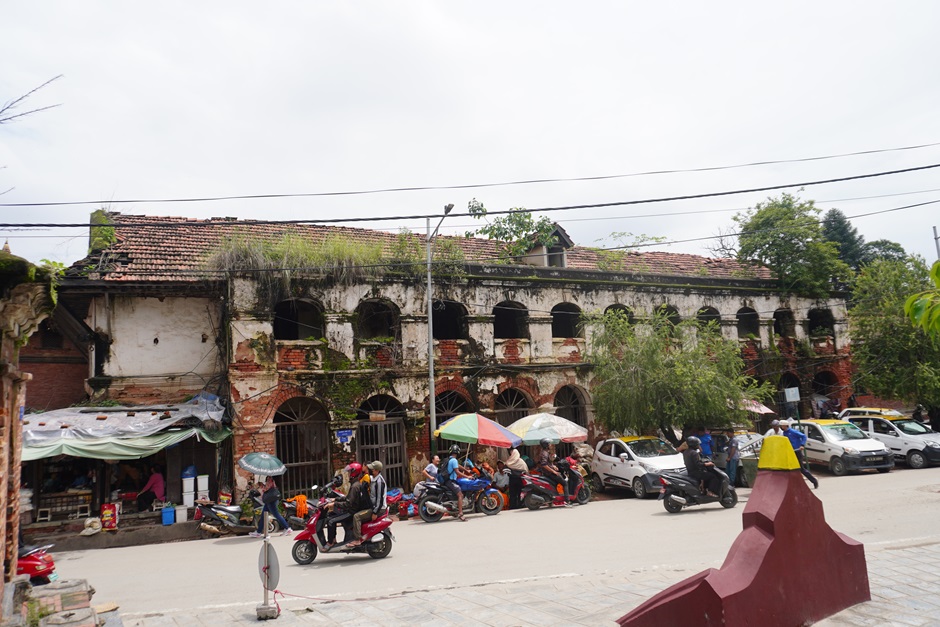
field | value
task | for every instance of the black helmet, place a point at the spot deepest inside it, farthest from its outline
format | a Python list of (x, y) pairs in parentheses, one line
[(545, 442), (693, 442), (455, 449)]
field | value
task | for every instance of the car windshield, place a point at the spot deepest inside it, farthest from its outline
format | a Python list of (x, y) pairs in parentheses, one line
[(651, 448), (911, 427), (845, 431)]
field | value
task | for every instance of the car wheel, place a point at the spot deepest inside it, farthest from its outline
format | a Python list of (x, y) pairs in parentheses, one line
[(596, 484), (671, 506), (916, 459), (837, 466), (638, 490), (304, 552)]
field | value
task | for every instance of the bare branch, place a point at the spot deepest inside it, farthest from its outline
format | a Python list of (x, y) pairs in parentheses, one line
[(725, 245), (6, 111)]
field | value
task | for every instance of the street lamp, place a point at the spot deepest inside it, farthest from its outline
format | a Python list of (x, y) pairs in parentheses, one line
[(432, 401)]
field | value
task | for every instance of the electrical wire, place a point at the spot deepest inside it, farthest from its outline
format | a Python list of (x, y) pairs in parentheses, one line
[(469, 186), (618, 203)]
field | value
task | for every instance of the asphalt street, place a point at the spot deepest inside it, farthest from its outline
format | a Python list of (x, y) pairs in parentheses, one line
[(617, 542)]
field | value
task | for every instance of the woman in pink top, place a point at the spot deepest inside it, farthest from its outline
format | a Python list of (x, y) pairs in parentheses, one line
[(155, 490)]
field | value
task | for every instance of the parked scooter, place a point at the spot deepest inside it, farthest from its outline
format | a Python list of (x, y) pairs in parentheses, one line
[(538, 490), (224, 519), (377, 537), (37, 563), (681, 490), (477, 496)]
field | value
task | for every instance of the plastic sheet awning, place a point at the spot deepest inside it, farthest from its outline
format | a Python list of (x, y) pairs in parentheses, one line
[(114, 447)]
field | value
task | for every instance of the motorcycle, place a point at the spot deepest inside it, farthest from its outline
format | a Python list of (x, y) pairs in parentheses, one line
[(681, 490), (478, 496), (377, 538), (538, 490), (35, 562), (224, 519)]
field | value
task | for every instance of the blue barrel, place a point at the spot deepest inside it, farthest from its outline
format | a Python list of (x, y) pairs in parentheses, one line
[(169, 515)]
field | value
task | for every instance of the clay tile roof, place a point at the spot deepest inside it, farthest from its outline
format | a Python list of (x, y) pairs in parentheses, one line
[(175, 249)]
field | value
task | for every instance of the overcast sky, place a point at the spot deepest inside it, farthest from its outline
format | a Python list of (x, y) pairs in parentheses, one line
[(177, 100)]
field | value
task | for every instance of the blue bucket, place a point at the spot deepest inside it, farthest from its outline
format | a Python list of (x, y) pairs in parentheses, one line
[(169, 515)]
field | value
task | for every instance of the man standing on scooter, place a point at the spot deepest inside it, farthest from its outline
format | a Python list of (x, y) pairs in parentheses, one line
[(550, 470)]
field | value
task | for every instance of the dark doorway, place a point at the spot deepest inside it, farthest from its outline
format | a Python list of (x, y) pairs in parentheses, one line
[(566, 321), (297, 319), (450, 320), (510, 321), (302, 440), (748, 323)]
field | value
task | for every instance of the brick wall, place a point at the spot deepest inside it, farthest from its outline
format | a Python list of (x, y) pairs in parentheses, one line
[(59, 372)]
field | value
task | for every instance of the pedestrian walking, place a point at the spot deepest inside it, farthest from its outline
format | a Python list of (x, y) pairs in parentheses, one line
[(271, 496), (517, 467), (734, 456)]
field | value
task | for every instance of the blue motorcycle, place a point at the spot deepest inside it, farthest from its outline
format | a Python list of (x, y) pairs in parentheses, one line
[(478, 496)]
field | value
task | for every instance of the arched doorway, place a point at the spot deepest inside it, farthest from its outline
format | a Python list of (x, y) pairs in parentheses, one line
[(748, 324), (383, 440), (510, 406), (302, 442), (566, 321), (447, 405)]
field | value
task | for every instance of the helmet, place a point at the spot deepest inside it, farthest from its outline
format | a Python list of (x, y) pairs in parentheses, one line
[(355, 470), (693, 442), (376, 465), (455, 449), (545, 442)]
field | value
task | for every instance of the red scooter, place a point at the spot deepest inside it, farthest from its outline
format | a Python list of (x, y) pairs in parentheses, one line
[(35, 562), (538, 490), (377, 538)]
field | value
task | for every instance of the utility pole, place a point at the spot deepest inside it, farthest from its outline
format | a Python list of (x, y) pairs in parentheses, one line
[(432, 401), (936, 242)]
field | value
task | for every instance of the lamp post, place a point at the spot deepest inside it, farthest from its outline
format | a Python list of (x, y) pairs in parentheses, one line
[(432, 401)]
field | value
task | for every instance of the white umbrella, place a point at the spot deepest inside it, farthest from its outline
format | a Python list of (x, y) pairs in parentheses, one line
[(533, 429)]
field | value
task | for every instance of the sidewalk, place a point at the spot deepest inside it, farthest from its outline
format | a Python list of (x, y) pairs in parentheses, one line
[(904, 582)]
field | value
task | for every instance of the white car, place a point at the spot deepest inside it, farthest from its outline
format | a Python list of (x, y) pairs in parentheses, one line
[(633, 462), (843, 447), (912, 442)]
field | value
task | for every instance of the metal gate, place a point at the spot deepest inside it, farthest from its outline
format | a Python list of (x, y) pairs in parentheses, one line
[(384, 441), (302, 440)]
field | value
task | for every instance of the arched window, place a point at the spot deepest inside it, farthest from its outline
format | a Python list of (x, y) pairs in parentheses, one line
[(748, 323), (297, 319), (302, 443), (570, 404), (708, 315), (825, 383), (821, 322), (622, 310), (510, 406), (670, 313), (566, 321), (447, 405), (377, 319), (784, 323), (510, 320), (450, 320)]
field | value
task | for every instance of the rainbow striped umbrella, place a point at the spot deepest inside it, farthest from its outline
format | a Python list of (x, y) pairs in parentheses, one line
[(477, 429)]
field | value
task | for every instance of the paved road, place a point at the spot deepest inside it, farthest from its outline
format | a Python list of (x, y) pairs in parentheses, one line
[(622, 548)]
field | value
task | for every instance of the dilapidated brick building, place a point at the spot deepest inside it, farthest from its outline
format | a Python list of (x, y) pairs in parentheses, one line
[(324, 364)]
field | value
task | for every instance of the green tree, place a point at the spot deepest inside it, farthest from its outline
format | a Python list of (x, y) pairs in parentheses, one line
[(895, 359), (884, 249), (923, 308), (518, 230), (837, 228), (657, 375), (785, 235)]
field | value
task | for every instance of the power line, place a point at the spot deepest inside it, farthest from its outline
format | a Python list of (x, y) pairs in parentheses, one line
[(206, 223), (468, 186)]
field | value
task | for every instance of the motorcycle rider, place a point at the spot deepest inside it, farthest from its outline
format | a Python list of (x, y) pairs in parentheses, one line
[(357, 500), (698, 468), (448, 478), (550, 470)]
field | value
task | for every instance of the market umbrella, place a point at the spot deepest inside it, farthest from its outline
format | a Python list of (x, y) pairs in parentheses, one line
[(533, 429), (477, 429), (757, 408), (262, 464)]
